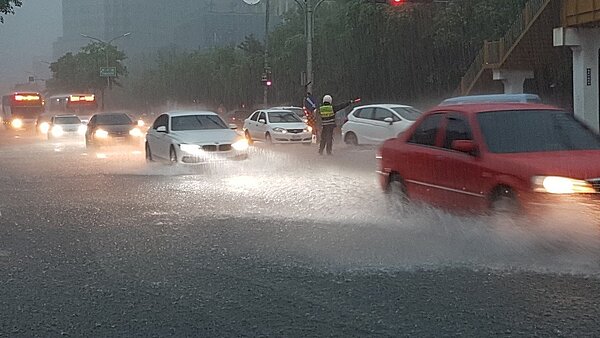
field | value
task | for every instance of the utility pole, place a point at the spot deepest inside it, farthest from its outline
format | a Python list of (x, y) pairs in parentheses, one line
[(309, 7), (266, 64)]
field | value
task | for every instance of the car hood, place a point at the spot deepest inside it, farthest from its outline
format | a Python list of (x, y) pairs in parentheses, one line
[(581, 164), (296, 125), (205, 136)]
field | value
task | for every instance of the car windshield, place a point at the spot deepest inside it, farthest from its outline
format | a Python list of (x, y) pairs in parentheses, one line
[(408, 113), (113, 119), (523, 131), (67, 120), (197, 122), (283, 117)]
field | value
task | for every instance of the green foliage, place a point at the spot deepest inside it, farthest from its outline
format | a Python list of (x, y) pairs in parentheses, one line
[(81, 72), (8, 7), (377, 52)]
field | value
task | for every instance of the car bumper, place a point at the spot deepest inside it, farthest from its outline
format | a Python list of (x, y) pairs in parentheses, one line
[(292, 138), (212, 157), (117, 140)]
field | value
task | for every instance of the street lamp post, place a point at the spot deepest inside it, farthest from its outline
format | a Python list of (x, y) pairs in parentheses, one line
[(106, 45), (309, 7)]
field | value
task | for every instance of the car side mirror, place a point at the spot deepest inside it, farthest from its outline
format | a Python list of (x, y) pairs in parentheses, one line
[(161, 129), (388, 120), (262, 121), (233, 126), (465, 146)]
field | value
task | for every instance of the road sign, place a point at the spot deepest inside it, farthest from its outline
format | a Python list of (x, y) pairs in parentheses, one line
[(108, 71)]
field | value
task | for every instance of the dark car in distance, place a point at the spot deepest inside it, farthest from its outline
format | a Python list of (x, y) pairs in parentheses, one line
[(112, 129)]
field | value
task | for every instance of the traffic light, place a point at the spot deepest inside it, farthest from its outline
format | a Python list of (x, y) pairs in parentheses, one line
[(266, 78), (397, 2)]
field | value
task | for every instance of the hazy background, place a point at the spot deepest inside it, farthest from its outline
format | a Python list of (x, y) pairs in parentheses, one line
[(26, 39)]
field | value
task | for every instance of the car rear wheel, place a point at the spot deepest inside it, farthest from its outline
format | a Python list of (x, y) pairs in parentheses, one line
[(396, 193), (172, 156), (148, 153), (351, 139), (504, 202)]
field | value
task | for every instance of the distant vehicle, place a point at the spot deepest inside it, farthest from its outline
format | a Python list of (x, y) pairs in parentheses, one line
[(502, 157), (237, 117), (493, 98), (83, 105), (61, 126), (112, 129), (277, 126), (20, 110), (193, 137), (373, 124)]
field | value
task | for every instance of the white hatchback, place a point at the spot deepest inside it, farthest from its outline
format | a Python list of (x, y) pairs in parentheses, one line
[(376, 123), (193, 137), (277, 126)]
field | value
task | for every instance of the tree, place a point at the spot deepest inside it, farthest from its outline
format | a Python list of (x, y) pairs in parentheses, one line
[(81, 71), (8, 7)]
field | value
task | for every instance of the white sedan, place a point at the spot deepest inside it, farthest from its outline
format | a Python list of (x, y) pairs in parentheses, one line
[(376, 123), (193, 137), (277, 126)]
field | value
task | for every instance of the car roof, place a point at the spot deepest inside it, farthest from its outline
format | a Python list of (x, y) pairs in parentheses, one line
[(66, 115), (491, 98), (384, 105), (284, 107), (474, 108), (189, 112)]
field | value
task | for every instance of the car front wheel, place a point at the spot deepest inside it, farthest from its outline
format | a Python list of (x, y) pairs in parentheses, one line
[(504, 202), (148, 153), (351, 139), (396, 193), (172, 156)]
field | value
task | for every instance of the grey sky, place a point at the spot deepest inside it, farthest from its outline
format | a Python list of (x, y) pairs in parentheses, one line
[(26, 38)]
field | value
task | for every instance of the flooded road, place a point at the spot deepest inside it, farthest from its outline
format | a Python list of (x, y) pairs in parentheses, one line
[(287, 243)]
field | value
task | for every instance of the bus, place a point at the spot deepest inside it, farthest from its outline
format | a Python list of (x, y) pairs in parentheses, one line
[(20, 110), (82, 105)]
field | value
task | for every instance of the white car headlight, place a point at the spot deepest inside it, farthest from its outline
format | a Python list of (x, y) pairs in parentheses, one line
[(44, 127), (241, 145), (101, 133), (561, 185), (57, 131), (17, 123), (82, 129), (136, 132), (190, 148), (280, 130)]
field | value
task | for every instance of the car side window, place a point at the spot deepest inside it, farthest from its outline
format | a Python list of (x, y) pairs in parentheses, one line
[(457, 128), (427, 131), (381, 114), (254, 116), (162, 120), (262, 116), (365, 113)]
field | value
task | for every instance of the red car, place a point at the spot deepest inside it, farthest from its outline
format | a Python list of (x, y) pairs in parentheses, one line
[(494, 156)]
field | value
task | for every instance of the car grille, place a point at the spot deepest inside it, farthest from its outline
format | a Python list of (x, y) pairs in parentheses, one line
[(119, 133), (595, 183), (214, 147), (295, 131)]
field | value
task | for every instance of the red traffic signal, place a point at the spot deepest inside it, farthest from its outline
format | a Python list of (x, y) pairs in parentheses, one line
[(397, 2)]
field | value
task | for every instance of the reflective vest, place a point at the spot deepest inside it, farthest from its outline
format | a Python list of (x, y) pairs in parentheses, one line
[(327, 114)]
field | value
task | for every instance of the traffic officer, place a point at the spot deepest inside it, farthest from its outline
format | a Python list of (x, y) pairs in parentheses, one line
[(327, 114)]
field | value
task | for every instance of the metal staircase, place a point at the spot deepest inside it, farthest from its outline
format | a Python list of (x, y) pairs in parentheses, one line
[(493, 54)]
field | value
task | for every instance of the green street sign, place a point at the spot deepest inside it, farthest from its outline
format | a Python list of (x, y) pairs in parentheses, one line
[(108, 71)]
